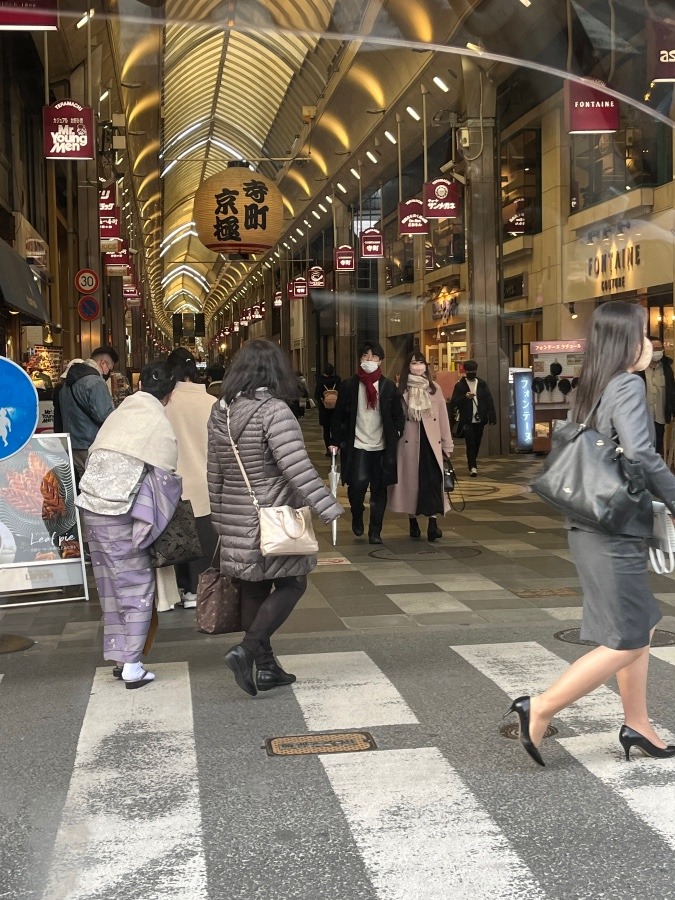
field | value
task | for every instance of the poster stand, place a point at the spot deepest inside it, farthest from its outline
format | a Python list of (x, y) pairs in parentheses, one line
[(41, 546)]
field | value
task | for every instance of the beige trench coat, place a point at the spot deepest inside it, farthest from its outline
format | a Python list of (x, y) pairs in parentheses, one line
[(403, 496)]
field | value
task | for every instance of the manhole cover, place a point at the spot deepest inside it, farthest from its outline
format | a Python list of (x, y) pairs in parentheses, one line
[(11, 643), (573, 636), (386, 553), (511, 731), (304, 744)]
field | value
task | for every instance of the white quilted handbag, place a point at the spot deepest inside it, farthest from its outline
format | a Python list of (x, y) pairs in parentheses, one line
[(662, 556)]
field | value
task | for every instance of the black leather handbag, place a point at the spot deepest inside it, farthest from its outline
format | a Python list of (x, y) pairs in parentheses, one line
[(449, 476), (179, 542), (588, 478)]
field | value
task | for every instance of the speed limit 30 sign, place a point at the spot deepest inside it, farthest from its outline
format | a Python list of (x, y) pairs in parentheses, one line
[(86, 281)]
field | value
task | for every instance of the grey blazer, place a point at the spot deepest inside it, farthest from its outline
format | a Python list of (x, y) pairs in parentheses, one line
[(623, 416)]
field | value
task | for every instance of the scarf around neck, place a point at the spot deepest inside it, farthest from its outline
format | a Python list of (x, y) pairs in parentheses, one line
[(369, 381), (419, 398)]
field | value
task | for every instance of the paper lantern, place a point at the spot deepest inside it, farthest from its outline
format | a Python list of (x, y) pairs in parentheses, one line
[(238, 212)]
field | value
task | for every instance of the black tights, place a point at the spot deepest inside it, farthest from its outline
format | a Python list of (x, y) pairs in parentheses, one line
[(263, 611)]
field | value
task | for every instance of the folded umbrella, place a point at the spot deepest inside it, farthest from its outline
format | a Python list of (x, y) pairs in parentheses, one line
[(333, 481)]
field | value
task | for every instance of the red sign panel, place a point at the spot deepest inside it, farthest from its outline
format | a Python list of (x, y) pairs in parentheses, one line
[(372, 244), (278, 299), (299, 288), (660, 50), (27, 15), (591, 111), (117, 263), (411, 218), (344, 258), (429, 259), (290, 290), (317, 278), (110, 220), (68, 130), (441, 199)]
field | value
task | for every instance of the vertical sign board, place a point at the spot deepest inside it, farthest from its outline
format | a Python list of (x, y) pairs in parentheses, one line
[(344, 258), (372, 244), (524, 409), (40, 537), (68, 131), (28, 15)]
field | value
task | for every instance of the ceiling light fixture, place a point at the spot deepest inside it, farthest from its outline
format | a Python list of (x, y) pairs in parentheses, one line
[(322, 207), (85, 18), (329, 198), (104, 96), (573, 314), (341, 187), (371, 156), (413, 113), (355, 174), (315, 214), (438, 81), (477, 48), (526, 2), (390, 137)]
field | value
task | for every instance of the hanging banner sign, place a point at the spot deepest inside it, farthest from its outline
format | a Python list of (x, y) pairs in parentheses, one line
[(344, 258), (441, 199), (130, 290), (660, 50), (290, 291), (117, 264), (372, 244), (299, 288), (110, 221), (411, 218), (429, 259), (28, 15), (278, 298), (590, 110), (317, 278), (68, 130)]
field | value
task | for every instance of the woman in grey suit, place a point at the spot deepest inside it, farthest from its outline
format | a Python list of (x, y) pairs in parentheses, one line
[(619, 610)]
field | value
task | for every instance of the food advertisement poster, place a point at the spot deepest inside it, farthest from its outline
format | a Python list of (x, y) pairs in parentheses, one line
[(40, 537)]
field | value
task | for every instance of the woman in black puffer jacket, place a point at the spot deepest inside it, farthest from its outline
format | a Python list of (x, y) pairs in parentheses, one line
[(257, 389)]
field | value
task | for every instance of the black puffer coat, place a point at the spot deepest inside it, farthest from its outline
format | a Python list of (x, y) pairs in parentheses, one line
[(273, 453)]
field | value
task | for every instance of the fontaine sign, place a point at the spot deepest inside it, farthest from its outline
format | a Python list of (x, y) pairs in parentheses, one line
[(68, 130), (590, 109)]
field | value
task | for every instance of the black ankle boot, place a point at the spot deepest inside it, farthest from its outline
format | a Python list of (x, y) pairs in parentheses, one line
[(240, 661), (270, 675), (433, 531), (415, 532), (357, 524), (374, 536)]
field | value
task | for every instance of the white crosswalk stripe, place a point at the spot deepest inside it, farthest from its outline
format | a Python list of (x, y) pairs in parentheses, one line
[(647, 786), (121, 825)]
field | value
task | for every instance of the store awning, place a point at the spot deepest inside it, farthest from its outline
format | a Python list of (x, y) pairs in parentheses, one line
[(18, 287)]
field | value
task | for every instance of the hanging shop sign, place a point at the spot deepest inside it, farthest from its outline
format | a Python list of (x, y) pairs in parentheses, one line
[(257, 313), (513, 217), (372, 244), (28, 15), (68, 130), (411, 218), (110, 221), (660, 50), (429, 259), (238, 212), (118, 264), (316, 278), (524, 409), (590, 109), (40, 537), (441, 199), (278, 298), (299, 288), (344, 258), (290, 290)]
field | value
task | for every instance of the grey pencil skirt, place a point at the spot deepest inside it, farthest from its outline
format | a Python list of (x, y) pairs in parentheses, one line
[(619, 608)]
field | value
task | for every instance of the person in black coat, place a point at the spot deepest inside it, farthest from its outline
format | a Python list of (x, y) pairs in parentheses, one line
[(473, 401), (368, 421), (327, 381), (660, 388)]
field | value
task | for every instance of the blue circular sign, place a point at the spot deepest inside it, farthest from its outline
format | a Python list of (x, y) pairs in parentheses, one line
[(19, 409)]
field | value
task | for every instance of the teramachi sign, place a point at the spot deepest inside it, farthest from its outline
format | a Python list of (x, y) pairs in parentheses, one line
[(68, 130), (28, 15)]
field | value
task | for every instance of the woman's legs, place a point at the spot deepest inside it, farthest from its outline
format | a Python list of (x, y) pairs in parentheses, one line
[(632, 682), (263, 611), (582, 677)]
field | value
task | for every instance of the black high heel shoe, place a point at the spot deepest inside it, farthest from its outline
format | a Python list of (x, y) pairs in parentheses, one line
[(521, 706), (628, 738)]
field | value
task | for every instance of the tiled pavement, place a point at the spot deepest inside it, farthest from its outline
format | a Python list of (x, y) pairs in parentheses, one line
[(504, 559)]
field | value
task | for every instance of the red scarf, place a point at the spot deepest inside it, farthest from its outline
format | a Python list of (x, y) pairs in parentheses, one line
[(369, 382)]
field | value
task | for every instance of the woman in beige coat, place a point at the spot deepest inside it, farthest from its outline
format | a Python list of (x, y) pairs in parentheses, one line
[(426, 438)]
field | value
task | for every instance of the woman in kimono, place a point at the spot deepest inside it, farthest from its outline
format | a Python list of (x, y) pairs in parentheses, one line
[(135, 441)]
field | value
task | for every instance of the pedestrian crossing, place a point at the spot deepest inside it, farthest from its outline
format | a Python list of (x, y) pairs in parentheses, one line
[(411, 819)]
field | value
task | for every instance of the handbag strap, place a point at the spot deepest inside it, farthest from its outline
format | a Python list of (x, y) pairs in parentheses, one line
[(215, 554), (238, 457)]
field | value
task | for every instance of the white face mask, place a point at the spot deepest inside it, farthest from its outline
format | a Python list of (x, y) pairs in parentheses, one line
[(369, 366), (657, 355), (418, 368), (644, 358)]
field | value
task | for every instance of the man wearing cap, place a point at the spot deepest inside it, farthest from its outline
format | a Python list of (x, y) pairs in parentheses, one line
[(473, 401), (86, 402)]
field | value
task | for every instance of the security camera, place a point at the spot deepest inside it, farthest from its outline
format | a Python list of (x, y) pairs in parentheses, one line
[(448, 169), (133, 251)]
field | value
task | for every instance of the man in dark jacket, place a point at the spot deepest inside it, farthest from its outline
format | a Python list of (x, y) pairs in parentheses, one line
[(660, 386), (368, 421), (86, 402), (473, 401)]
